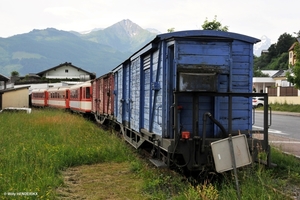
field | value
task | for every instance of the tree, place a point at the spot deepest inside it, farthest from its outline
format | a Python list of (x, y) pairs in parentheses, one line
[(277, 56), (14, 73), (285, 41), (214, 25), (294, 77), (170, 30)]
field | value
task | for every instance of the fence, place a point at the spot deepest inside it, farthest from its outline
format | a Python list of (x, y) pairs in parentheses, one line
[(283, 91)]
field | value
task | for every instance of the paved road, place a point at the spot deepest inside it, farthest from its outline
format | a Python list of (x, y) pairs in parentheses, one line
[(283, 124), (284, 132)]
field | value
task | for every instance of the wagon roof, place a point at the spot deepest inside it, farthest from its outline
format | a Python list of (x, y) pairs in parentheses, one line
[(208, 33), (192, 33)]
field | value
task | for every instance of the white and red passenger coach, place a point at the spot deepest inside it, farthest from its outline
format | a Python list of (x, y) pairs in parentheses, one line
[(81, 97), (58, 97), (39, 97)]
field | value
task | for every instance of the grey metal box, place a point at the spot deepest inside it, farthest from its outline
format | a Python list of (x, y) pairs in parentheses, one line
[(222, 154)]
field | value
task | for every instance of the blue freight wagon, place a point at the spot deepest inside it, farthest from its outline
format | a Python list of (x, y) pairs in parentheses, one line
[(184, 90)]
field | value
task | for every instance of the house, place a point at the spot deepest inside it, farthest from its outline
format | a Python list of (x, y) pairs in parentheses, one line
[(292, 56), (277, 86), (261, 83), (66, 71), (61, 75)]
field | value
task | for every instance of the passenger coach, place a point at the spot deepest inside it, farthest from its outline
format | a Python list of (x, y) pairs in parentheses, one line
[(81, 98), (58, 97), (39, 98)]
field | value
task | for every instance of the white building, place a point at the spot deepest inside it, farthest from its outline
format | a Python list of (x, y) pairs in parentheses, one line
[(67, 71)]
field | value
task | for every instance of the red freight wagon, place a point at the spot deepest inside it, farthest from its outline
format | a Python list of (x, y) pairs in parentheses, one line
[(103, 97)]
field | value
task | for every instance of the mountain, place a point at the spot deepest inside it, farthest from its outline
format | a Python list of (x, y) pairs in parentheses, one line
[(124, 36), (263, 45), (97, 51)]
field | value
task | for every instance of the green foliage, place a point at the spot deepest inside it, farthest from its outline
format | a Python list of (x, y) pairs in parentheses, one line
[(285, 41), (214, 25), (258, 73), (203, 191), (277, 56), (284, 107), (14, 73), (170, 30), (259, 63), (288, 167), (294, 76), (279, 62)]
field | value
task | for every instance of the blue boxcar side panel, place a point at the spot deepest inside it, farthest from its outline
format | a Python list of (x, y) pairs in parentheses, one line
[(135, 95), (119, 94), (214, 53), (126, 93), (146, 92), (151, 105), (147, 96), (157, 95), (241, 73)]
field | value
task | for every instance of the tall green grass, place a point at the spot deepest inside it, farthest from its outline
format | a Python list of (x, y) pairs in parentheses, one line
[(285, 107), (35, 147)]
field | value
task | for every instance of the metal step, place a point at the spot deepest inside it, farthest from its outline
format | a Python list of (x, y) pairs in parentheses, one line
[(158, 163)]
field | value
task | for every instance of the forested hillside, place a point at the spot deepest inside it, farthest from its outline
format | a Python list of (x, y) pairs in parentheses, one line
[(98, 51), (276, 57)]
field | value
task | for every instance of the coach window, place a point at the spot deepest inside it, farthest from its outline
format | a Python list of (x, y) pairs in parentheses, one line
[(87, 93)]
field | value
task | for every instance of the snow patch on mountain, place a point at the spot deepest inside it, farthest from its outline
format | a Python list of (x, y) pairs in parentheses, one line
[(263, 45)]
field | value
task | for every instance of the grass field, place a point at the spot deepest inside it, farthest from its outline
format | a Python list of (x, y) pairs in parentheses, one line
[(284, 107), (37, 149)]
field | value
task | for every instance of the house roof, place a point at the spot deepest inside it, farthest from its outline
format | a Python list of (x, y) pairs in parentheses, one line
[(281, 73), (65, 64), (293, 45), (13, 89), (269, 72), (3, 78)]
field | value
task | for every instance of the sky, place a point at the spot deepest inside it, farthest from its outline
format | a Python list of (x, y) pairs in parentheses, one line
[(254, 18)]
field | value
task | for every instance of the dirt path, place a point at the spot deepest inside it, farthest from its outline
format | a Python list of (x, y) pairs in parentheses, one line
[(101, 181)]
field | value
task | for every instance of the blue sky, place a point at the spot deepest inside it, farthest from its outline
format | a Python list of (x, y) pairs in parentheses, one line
[(253, 18)]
